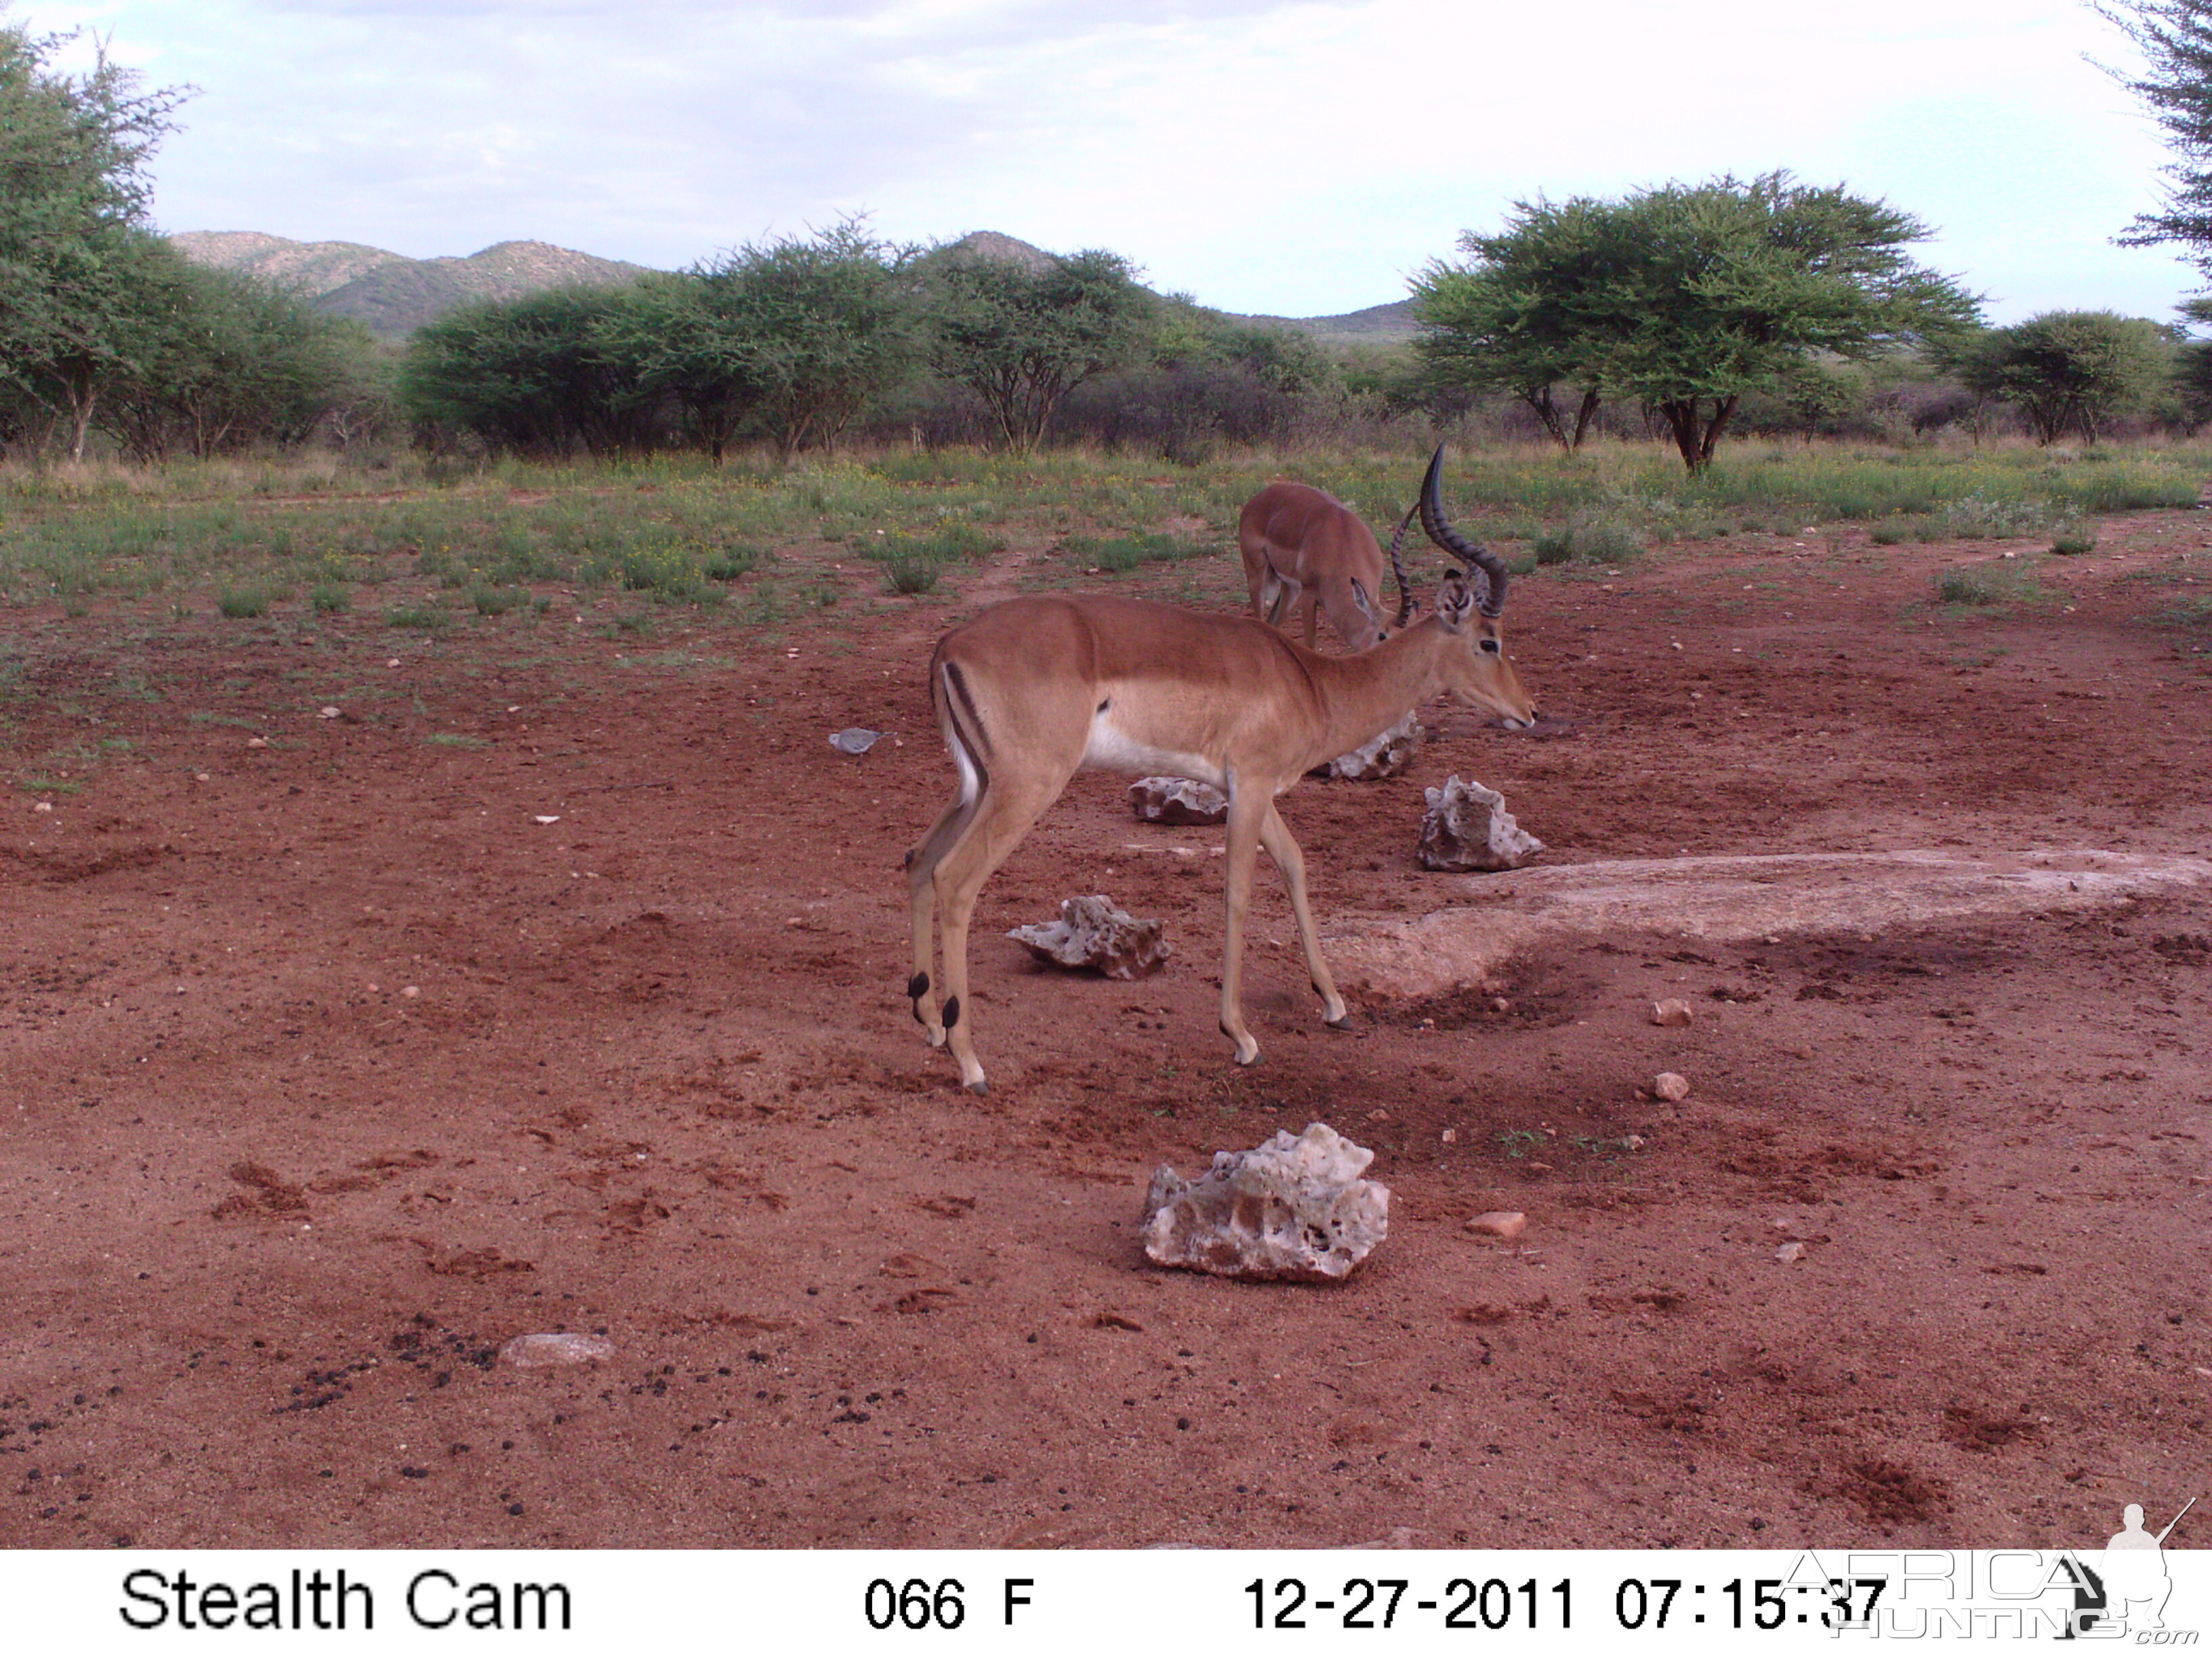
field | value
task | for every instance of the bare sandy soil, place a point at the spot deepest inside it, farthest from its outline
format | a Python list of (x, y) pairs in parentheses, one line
[(327, 1066)]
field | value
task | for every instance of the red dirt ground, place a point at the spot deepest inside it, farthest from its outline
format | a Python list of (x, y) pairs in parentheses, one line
[(325, 1068)]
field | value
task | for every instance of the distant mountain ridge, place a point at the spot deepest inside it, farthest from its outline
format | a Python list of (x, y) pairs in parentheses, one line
[(393, 295), (390, 294)]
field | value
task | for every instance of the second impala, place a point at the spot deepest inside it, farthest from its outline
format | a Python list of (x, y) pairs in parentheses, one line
[(1034, 689)]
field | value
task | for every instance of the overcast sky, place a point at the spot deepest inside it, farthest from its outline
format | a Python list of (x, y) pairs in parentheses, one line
[(1300, 159)]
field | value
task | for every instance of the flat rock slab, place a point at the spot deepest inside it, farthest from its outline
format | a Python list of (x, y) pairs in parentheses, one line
[(1734, 898)]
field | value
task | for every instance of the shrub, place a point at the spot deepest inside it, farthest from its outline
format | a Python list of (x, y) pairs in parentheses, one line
[(329, 599), (1588, 539), (1958, 586), (249, 601), (910, 573), (2073, 537), (491, 601)]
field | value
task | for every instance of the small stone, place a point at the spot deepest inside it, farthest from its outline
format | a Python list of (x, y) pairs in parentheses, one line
[(43, 806), (1499, 1224), (1466, 827), (1294, 1208), (1670, 1085), (1178, 800), (556, 1348), (545, 817), (330, 711), (256, 743), (1672, 1011), (411, 990), (1793, 1251), (854, 740), (1091, 933)]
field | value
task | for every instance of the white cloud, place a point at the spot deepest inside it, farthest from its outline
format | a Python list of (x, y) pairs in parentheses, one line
[(1293, 158)]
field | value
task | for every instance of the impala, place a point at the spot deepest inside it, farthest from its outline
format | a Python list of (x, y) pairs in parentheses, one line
[(1034, 689), (1302, 545)]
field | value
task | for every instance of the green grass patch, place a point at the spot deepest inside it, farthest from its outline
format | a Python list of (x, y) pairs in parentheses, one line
[(248, 601), (1119, 555)]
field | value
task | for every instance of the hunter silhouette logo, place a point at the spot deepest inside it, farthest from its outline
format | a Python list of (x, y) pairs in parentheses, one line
[(2127, 1589)]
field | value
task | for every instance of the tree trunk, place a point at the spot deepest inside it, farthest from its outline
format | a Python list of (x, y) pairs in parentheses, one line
[(1695, 437), (1584, 416), (1540, 399)]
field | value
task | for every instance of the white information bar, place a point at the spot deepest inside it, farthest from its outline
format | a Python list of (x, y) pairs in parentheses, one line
[(705, 1603)]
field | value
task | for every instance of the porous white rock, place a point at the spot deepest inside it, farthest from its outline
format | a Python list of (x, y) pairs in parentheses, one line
[(1295, 1208), (556, 1348), (1383, 755), (1178, 800), (1466, 827), (1091, 933)]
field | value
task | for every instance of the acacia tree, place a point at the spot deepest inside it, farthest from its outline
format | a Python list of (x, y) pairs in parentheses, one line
[(1689, 297), (2067, 371), (73, 200), (792, 336), (1516, 317), (545, 374), (2175, 39), (1022, 337)]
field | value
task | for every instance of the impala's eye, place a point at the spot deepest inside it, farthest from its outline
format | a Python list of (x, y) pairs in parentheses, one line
[(1491, 645)]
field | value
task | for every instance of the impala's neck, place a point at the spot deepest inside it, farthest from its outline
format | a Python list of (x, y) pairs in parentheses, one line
[(1365, 695)]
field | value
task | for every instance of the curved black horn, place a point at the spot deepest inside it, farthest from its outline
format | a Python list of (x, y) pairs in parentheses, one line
[(1492, 600), (1398, 567)]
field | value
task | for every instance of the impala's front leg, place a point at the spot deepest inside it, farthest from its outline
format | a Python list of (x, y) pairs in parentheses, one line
[(1275, 837), (1248, 809)]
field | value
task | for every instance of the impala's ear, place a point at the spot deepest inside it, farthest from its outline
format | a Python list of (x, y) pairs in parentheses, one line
[(1360, 597), (1455, 602)]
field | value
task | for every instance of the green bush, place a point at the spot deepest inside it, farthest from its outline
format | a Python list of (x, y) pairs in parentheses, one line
[(491, 601), (912, 573), (249, 601), (1589, 538), (2073, 537), (1958, 586)]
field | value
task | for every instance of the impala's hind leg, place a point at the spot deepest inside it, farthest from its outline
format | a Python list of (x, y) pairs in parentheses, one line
[(921, 891), (1003, 814)]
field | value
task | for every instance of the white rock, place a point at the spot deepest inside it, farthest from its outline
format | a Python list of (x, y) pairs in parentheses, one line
[(1671, 1086), (1499, 1224), (556, 1348), (1793, 1251), (1672, 1011), (1293, 1208), (1466, 827), (1178, 800), (1091, 933), (1383, 755)]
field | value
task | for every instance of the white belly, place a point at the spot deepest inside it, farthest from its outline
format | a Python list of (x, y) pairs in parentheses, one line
[(1110, 750)]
